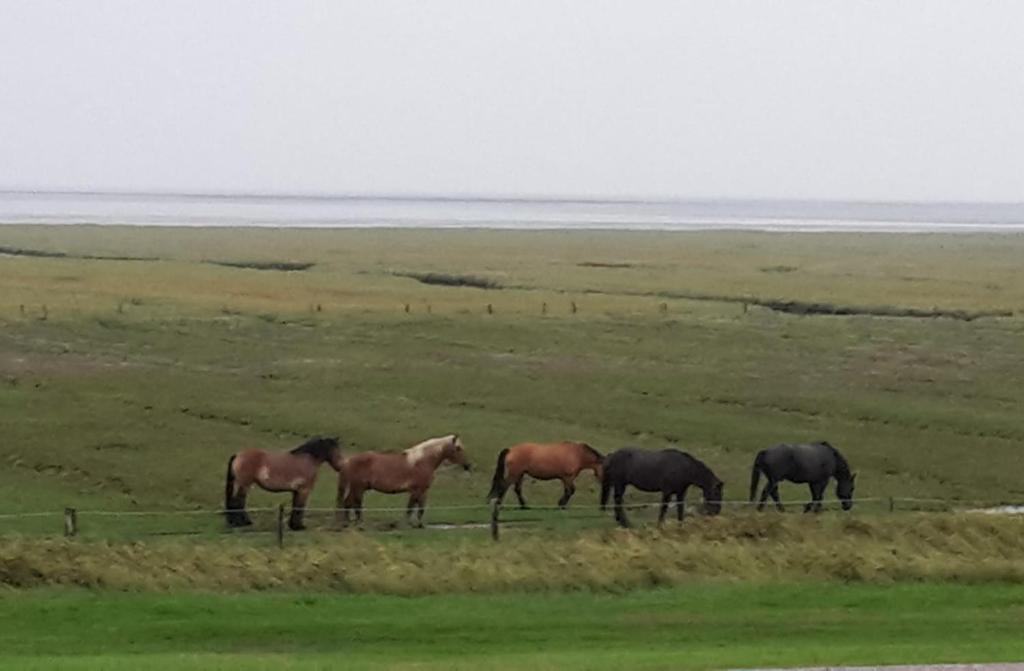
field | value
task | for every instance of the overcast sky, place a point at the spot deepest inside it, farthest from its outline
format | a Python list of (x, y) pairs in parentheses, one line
[(800, 99)]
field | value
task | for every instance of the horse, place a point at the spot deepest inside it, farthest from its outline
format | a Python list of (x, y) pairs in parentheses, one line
[(813, 464), (394, 472), (668, 471), (294, 471), (544, 461)]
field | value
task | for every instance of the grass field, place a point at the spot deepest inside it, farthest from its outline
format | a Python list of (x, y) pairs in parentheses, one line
[(699, 627), (133, 362), (145, 375)]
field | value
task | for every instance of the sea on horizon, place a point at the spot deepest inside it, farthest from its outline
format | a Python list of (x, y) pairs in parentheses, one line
[(298, 211)]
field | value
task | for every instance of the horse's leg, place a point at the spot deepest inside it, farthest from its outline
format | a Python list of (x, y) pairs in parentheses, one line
[(568, 490), (775, 497), (666, 497), (354, 503), (764, 494), (809, 506), (299, 497), (422, 501), (346, 509), (620, 514), (519, 491), (241, 516), (817, 492), (410, 508), (681, 503)]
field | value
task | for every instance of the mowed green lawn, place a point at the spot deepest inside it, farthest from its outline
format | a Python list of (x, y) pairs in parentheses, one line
[(697, 627)]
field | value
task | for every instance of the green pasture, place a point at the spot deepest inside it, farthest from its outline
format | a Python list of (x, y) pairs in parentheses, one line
[(697, 627), (134, 361), (126, 384)]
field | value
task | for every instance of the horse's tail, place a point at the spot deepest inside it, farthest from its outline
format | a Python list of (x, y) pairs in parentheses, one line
[(229, 489), (755, 475), (498, 481)]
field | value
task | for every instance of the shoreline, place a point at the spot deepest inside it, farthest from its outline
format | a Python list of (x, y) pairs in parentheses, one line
[(759, 226)]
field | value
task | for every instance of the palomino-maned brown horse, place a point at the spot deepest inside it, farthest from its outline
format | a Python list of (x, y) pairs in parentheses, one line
[(394, 472), (293, 471), (544, 461)]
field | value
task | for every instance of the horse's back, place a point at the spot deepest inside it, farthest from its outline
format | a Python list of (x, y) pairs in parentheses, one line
[(543, 460), (634, 466), (799, 462)]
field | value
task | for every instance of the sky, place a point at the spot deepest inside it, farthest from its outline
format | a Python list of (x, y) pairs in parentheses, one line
[(817, 99)]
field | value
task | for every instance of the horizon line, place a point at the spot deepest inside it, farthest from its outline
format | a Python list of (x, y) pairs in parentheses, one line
[(478, 197)]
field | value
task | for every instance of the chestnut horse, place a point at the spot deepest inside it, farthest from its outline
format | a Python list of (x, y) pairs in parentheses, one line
[(294, 471), (394, 472), (543, 461)]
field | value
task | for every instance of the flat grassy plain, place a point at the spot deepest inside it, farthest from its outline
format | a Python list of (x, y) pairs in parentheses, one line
[(126, 384), (133, 362), (699, 627)]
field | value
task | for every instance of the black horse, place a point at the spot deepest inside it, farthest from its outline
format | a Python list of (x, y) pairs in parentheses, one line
[(814, 464), (669, 471)]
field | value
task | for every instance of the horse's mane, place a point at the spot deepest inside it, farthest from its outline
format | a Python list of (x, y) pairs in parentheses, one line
[(317, 446), (416, 452), (842, 466), (704, 469)]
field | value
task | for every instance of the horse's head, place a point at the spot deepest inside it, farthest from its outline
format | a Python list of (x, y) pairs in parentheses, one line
[(334, 456), (713, 497), (455, 454), (594, 460), (844, 490)]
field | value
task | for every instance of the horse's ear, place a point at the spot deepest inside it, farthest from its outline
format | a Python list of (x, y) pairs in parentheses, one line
[(853, 477)]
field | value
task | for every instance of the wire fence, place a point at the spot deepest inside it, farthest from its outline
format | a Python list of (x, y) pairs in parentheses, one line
[(133, 524)]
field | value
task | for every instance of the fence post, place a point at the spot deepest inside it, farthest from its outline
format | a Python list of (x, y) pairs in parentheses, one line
[(892, 504), (280, 525), (70, 522), (495, 506)]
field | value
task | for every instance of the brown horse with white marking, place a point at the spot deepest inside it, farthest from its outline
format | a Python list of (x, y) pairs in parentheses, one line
[(294, 471), (544, 461), (395, 472)]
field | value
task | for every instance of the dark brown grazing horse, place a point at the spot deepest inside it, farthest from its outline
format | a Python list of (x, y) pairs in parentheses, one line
[(294, 471), (394, 472), (543, 461)]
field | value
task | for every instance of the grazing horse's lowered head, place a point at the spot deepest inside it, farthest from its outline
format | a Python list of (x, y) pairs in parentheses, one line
[(593, 460), (845, 479), (322, 449), (713, 496), (844, 491)]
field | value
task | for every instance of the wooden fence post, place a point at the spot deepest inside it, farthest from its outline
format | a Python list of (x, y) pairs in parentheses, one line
[(495, 506), (280, 526), (70, 522), (892, 504)]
